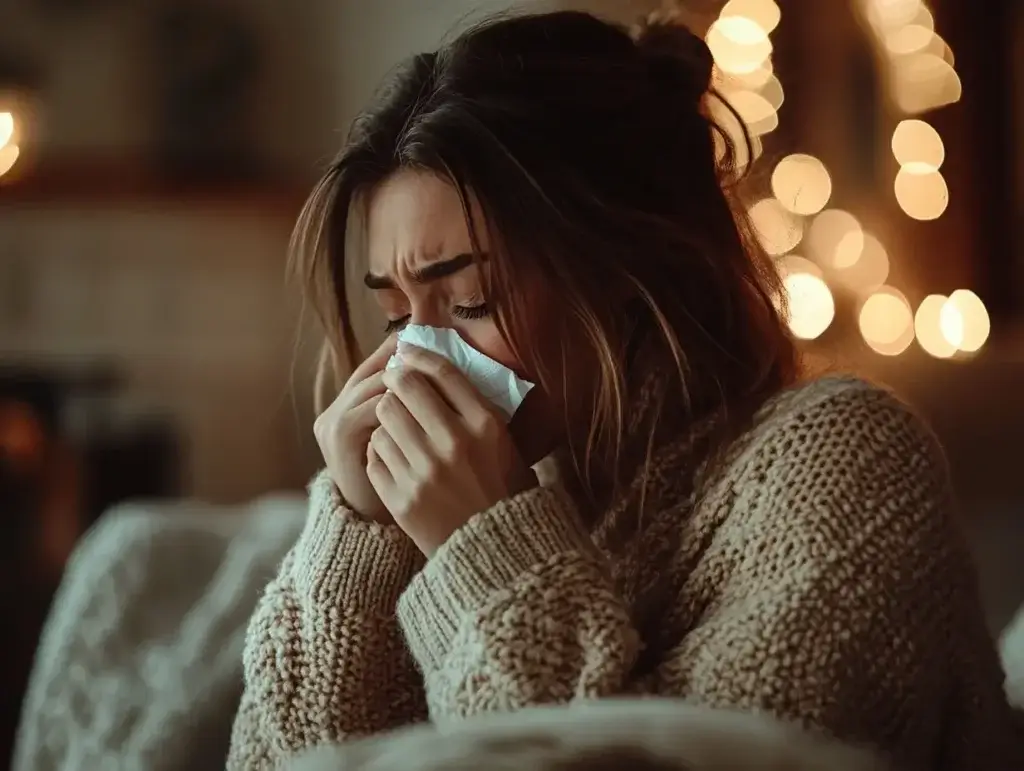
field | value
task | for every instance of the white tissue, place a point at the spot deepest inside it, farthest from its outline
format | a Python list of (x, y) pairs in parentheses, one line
[(499, 385)]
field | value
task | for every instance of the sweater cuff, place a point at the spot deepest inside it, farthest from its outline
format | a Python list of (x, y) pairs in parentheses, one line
[(341, 559), (486, 555)]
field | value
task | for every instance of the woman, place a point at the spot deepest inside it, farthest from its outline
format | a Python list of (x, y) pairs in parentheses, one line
[(714, 528)]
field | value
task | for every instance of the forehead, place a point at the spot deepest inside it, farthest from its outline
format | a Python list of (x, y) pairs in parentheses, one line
[(416, 218)]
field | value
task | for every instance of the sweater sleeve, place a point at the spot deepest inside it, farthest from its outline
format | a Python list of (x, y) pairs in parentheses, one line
[(517, 609), (324, 657), (844, 595)]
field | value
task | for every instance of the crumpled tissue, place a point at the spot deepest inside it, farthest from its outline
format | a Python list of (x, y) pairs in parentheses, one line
[(498, 384)]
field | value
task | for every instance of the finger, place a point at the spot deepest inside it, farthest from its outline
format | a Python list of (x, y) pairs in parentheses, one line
[(376, 361), (404, 430), (364, 390), (420, 397), (384, 445), (453, 386), (360, 420), (363, 418), (380, 477)]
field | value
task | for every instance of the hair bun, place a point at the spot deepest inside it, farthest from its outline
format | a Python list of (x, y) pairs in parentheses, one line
[(672, 48)]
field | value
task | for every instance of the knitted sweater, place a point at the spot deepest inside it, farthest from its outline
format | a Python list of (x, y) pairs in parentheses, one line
[(818, 576)]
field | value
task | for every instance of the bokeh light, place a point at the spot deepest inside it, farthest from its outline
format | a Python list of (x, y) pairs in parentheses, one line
[(802, 184), (887, 322), (916, 142), (835, 239), (794, 263), (733, 81), (921, 191), (870, 269), (732, 127), (811, 306), (974, 322), (756, 111), (923, 82), (764, 13), (909, 39), (6, 128), (738, 44), (892, 14), (772, 92), (928, 327), (8, 157), (780, 231)]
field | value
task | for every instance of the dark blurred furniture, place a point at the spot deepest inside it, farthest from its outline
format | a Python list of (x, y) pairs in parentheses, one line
[(64, 459)]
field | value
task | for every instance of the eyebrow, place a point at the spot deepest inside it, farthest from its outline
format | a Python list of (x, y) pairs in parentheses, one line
[(428, 273)]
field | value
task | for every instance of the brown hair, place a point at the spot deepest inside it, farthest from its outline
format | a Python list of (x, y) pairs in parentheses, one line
[(592, 158)]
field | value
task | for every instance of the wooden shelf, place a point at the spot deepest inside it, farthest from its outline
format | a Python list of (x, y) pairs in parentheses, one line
[(103, 184)]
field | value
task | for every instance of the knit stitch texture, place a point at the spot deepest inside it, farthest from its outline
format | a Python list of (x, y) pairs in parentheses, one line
[(819, 576)]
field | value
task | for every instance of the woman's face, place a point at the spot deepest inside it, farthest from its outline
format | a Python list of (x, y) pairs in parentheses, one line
[(421, 271), (421, 266)]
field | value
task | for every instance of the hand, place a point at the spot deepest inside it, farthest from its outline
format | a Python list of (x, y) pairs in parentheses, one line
[(343, 433), (442, 452)]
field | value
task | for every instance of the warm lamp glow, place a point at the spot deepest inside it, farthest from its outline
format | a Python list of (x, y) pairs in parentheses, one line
[(802, 184)]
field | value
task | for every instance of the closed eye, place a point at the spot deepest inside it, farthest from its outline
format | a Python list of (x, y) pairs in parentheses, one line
[(467, 312)]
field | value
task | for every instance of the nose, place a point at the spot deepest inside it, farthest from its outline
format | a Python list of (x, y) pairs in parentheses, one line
[(427, 315)]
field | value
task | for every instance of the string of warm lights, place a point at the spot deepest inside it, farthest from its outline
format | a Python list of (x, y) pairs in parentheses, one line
[(835, 253)]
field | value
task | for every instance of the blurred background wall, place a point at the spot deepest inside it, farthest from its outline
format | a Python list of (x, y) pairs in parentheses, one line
[(154, 155)]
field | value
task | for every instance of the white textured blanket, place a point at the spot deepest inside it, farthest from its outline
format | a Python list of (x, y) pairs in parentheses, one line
[(633, 735), (139, 666), (1012, 650)]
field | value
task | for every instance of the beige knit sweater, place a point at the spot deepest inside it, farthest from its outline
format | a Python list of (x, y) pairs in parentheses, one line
[(821, 578)]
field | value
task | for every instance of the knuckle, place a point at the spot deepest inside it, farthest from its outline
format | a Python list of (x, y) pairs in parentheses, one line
[(456, 451), (377, 438), (402, 510), (403, 378), (445, 370), (326, 428), (430, 474), (458, 448), (484, 426)]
